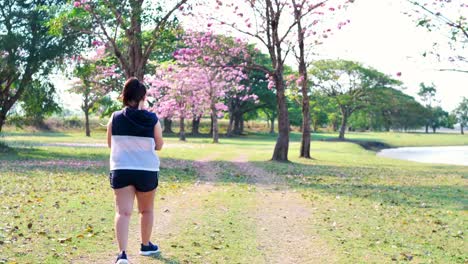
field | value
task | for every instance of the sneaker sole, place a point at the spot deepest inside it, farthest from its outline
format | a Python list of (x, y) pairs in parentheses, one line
[(122, 261), (149, 253)]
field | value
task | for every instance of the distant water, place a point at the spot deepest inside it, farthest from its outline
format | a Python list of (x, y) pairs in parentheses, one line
[(437, 155)]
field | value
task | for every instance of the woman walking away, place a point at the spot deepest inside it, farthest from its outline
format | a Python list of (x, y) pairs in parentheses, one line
[(133, 134)]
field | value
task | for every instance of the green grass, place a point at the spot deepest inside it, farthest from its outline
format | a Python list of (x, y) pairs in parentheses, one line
[(376, 209), (56, 203)]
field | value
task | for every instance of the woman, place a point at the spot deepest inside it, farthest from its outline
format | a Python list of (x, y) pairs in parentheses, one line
[(133, 134)]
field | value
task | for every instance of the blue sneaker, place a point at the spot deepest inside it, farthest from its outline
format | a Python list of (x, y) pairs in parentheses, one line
[(122, 258), (149, 250)]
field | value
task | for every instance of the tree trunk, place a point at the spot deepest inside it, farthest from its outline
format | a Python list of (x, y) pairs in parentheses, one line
[(242, 122), (461, 128), (282, 142), (427, 129), (211, 125), (88, 130), (272, 126), (305, 140), (2, 120), (182, 129), (168, 126), (214, 117), (344, 121), (231, 124), (237, 124), (196, 126), (434, 129), (305, 126)]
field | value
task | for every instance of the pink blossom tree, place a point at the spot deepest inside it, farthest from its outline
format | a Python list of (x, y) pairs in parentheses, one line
[(221, 60), (94, 79), (270, 23), (179, 92)]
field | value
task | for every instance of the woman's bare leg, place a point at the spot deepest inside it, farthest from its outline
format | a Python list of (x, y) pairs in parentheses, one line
[(145, 207), (123, 210)]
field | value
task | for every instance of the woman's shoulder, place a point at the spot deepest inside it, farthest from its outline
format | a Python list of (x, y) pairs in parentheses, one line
[(149, 113), (152, 115)]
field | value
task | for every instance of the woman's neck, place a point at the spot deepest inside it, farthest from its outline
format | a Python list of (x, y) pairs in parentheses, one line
[(139, 106)]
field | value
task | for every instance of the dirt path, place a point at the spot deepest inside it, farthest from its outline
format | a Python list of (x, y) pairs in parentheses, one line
[(171, 210), (285, 229), (258, 175), (284, 220), (206, 169)]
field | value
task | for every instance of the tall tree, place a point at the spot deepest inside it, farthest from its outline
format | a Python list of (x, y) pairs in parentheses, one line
[(27, 47), (427, 94), (306, 19), (270, 23), (122, 26), (269, 15), (350, 84), (95, 78), (439, 118), (461, 113)]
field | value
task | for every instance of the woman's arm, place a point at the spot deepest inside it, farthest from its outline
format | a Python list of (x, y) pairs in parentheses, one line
[(109, 130), (158, 139), (109, 133)]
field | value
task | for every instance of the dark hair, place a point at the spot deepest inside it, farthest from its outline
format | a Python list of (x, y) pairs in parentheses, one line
[(134, 91)]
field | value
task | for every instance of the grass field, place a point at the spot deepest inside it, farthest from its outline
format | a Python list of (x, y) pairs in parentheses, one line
[(345, 206)]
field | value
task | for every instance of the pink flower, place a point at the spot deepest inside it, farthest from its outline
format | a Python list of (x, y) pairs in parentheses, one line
[(76, 4), (398, 74)]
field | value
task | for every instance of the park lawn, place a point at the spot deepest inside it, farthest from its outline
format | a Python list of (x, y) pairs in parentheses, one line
[(378, 210), (57, 205), (395, 139)]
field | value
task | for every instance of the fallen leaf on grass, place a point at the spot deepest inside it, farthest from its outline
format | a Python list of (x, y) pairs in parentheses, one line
[(407, 256), (63, 240)]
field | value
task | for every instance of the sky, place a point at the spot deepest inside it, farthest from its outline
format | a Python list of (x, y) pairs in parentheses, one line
[(380, 35)]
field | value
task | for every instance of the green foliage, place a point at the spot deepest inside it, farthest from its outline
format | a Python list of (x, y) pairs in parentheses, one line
[(427, 93), (350, 84), (27, 48), (40, 101), (439, 118), (461, 112), (323, 111), (390, 109)]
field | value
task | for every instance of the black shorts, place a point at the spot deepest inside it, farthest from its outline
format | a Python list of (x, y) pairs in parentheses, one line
[(144, 181)]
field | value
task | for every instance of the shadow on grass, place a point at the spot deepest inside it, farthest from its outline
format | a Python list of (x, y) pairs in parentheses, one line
[(163, 259), (35, 134), (387, 184), (53, 153)]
